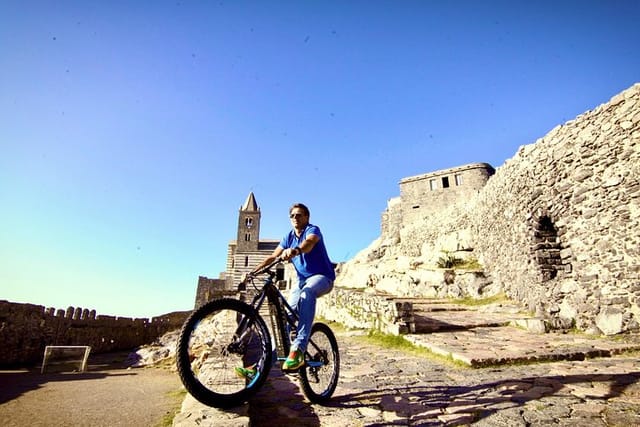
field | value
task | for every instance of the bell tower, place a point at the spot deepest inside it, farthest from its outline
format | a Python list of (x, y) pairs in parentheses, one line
[(248, 225)]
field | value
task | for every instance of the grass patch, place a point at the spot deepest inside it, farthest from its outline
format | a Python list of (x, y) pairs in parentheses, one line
[(470, 264), (501, 297), (176, 397), (390, 341), (397, 342)]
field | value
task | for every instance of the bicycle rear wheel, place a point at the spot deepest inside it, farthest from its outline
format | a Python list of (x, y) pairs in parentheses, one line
[(220, 336), (319, 375)]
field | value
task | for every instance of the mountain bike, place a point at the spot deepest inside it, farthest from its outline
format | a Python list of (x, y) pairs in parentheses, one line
[(228, 333)]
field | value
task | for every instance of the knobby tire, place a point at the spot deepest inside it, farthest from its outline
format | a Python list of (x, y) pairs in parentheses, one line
[(207, 353), (319, 375)]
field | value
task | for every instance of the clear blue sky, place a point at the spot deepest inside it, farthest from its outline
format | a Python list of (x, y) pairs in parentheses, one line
[(131, 131)]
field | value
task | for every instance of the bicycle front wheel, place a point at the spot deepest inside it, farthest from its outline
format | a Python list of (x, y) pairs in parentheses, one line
[(224, 353), (319, 375)]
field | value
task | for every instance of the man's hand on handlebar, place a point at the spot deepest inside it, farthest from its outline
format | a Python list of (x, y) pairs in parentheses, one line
[(263, 267), (289, 253)]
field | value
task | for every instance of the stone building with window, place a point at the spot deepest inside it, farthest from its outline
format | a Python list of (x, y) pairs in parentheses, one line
[(429, 193)]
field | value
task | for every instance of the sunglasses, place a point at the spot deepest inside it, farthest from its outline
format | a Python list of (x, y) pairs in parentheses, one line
[(296, 215)]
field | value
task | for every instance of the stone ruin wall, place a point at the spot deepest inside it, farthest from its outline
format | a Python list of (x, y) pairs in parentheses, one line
[(25, 330), (558, 225), (209, 289), (556, 228), (366, 310)]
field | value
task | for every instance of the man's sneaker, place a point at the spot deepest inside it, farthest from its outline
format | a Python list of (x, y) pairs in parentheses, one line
[(294, 361), (249, 372)]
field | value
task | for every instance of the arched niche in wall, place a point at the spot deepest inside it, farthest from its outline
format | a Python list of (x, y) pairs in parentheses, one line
[(547, 248)]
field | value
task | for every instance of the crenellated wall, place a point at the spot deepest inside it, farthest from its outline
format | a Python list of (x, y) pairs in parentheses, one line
[(25, 330)]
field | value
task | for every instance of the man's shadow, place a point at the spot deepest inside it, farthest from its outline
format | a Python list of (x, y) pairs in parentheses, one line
[(281, 402)]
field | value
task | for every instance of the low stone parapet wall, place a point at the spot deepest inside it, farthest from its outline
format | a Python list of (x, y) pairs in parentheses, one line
[(26, 329), (366, 310)]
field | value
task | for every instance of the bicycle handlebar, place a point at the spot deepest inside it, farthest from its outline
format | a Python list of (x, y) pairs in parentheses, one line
[(266, 269)]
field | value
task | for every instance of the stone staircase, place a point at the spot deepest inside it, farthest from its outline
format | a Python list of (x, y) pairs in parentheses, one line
[(442, 315), (501, 334)]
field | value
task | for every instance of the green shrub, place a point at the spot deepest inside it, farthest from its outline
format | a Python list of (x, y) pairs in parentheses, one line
[(448, 260)]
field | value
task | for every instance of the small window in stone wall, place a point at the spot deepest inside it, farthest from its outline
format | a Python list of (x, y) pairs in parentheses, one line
[(249, 222), (246, 261), (445, 182), (433, 184), (458, 179), (247, 237), (547, 248)]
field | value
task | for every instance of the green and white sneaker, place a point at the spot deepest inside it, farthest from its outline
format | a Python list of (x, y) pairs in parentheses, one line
[(249, 372), (294, 361)]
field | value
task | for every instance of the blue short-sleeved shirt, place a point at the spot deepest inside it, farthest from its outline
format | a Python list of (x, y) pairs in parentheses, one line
[(315, 262)]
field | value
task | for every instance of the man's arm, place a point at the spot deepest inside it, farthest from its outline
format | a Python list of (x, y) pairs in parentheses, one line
[(308, 243), (275, 254), (303, 248)]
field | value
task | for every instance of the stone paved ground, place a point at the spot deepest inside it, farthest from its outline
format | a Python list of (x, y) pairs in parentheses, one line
[(392, 387), (107, 394), (484, 346)]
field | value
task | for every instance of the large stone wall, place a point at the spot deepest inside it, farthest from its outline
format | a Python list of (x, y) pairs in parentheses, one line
[(555, 228), (25, 330)]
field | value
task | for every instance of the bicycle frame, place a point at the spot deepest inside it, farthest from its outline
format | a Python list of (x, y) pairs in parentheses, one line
[(283, 317)]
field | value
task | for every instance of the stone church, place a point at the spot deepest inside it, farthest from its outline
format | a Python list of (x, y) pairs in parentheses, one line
[(247, 250), (243, 254)]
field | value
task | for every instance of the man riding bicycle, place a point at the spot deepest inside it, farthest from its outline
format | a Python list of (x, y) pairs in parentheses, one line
[(304, 246)]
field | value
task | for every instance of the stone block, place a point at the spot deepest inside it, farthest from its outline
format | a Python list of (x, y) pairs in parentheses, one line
[(609, 321), (535, 325)]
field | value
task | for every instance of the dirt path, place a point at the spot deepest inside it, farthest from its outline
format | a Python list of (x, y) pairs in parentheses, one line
[(108, 394)]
